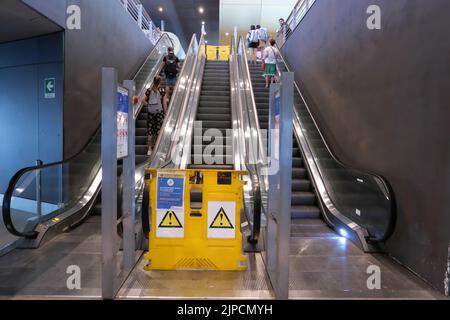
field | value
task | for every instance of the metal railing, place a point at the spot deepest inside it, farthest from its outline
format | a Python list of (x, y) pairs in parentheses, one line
[(297, 14), (143, 20)]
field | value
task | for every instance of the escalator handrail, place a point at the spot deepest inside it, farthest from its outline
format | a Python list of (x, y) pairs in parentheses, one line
[(7, 198), (252, 168), (151, 76), (386, 188), (192, 46)]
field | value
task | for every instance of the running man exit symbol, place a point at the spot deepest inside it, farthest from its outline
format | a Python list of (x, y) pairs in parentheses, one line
[(50, 88)]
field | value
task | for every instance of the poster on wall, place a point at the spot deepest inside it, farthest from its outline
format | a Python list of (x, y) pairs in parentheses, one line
[(122, 123)]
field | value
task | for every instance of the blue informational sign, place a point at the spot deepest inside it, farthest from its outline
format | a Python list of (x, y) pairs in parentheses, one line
[(170, 192), (277, 104), (122, 123)]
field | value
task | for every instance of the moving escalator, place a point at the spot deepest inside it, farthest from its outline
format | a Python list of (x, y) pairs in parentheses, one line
[(355, 204), (213, 119), (78, 179)]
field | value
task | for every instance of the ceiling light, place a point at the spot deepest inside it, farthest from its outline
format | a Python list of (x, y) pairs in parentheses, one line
[(227, 34), (201, 10), (160, 9), (203, 22)]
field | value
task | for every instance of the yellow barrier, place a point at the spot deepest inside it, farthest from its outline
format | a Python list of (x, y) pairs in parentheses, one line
[(221, 53), (196, 217)]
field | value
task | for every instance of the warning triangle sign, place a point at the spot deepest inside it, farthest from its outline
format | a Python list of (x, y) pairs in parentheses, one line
[(170, 220), (221, 221)]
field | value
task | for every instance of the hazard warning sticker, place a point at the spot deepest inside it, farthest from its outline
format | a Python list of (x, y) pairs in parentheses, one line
[(170, 205), (170, 224), (221, 219)]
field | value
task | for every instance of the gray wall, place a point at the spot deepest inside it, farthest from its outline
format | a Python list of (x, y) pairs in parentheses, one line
[(108, 37), (30, 125), (382, 99)]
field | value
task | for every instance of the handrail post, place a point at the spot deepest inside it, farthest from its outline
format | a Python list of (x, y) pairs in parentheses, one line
[(39, 190)]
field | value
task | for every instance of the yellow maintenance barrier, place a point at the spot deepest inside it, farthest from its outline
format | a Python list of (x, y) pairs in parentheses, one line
[(221, 53), (196, 217)]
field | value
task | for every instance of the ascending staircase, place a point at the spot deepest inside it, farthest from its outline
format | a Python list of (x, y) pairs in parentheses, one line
[(214, 113)]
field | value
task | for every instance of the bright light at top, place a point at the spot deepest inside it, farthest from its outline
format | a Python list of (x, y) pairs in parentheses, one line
[(160, 9), (343, 233), (201, 10)]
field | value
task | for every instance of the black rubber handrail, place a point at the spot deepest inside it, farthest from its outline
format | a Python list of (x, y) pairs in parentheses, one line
[(387, 186), (6, 206), (253, 238)]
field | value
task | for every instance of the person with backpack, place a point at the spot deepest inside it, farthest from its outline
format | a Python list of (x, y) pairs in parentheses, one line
[(253, 43), (263, 36), (171, 69), (152, 101)]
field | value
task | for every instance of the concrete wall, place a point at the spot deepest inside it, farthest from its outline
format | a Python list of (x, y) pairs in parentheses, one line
[(31, 126), (382, 100), (108, 37)]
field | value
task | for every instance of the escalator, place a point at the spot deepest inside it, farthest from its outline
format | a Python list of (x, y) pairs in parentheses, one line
[(303, 202), (214, 115), (78, 179), (355, 204)]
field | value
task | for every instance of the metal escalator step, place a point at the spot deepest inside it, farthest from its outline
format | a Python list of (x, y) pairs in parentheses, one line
[(217, 148), (214, 110), (303, 198), (141, 149), (301, 185), (305, 212), (141, 124), (214, 98), (215, 104), (299, 173), (217, 124), (213, 117)]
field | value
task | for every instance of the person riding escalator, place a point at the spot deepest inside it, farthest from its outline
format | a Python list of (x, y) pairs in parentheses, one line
[(155, 112)]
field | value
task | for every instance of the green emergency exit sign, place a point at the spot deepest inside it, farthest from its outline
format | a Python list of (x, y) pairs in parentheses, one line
[(50, 88)]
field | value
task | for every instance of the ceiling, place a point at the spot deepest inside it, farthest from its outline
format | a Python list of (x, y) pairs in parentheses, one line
[(183, 18), (243, 13), (18, 21)]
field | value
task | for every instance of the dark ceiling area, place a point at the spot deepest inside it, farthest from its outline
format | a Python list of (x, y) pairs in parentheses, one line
[(18, 21), (183, 18)]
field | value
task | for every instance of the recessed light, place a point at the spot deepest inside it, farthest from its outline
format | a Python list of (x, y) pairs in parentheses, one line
[(203, 23), (160, 9), (201, 10), (227, 34)]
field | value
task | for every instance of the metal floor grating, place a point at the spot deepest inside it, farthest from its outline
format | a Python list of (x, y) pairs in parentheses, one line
[(251, 284)]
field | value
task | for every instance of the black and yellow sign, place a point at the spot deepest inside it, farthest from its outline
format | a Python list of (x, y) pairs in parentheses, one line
[(221, 221), (170, 220)]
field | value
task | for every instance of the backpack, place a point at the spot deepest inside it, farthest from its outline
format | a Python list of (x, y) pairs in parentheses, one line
[(171, 67), (253, 36), (263, 34)]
